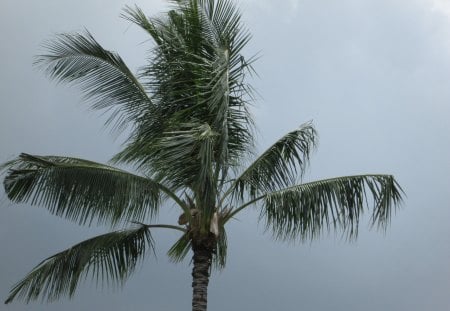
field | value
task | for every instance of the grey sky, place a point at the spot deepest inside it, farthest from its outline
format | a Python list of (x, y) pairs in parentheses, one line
[(373, 75)]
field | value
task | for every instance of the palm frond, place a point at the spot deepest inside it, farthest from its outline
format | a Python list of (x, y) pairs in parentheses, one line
[(184, 157), (279, 166), (220, 256), (196, 76), (102, 76), (80, 190), (304, 211), (138, 17), (111, 257), (182, 246), (6, 165), (180, 249)]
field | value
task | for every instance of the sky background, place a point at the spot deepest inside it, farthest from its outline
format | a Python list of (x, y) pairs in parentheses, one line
[(373, 75)]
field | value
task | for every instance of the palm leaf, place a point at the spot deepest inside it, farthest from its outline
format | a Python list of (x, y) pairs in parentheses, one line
[(186, 160), (184, 157), (220, 256), (81, 190), (279, 165), (102, 75), (303, 211), (182, 246), (180, 249), (138, 17), (111, 257), (196, 76)]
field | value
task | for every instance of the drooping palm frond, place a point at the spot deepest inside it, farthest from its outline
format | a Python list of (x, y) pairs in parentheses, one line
[(102, 75), (220, 256), (304, 211), (279, 166), (180, 248), (80, 190), (111, 257)]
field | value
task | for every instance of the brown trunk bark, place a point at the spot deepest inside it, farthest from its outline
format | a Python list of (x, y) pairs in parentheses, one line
[(203, 251)]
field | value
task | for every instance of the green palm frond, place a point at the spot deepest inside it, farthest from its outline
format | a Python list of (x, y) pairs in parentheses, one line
[(180, 249), (228, 95), (6, 165), (138, 17), (303, 211), (110, 257), (102, 75), (182, 246), (279, 166), (81, 190), (196, 76), (184, 157), (186, 160), (205, 185), (220, 256)]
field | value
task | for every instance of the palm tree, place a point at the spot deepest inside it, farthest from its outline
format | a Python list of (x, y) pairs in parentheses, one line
[(190, 130)]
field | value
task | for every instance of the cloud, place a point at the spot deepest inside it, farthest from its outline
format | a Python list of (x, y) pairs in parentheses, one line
[(270, 5), (441, 6), (287, 10), (294, 4)]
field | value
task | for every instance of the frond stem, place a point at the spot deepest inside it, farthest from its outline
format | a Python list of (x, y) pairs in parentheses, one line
[(174, 197), (240, 208), (167, 227)]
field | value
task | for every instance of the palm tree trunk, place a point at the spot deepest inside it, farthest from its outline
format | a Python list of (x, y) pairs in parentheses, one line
[(203, 251)]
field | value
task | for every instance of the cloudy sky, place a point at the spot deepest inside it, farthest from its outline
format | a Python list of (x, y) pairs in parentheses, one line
[(373, 75)]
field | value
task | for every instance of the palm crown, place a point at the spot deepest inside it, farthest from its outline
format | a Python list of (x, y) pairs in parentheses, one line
[(190, 130)]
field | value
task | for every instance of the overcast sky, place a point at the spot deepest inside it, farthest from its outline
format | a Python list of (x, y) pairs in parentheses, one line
[(373, 75)]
